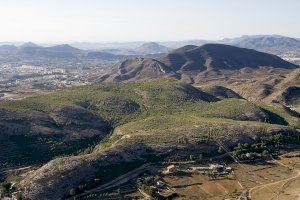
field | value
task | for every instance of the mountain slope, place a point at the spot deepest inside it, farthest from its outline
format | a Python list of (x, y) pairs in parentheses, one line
[(89, 112), (218, 56), (150, 120), (188, 62), (32, 137), (138, 68), (8, 49), (287, 91), (136, 144), (275, 45), (221, 92)]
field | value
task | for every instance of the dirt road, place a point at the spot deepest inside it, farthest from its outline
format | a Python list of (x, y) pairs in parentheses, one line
[(118, 181), (273, 187)]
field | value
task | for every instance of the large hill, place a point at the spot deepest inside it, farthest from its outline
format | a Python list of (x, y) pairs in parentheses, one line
[(195, 64), (141, 123), (250, 73), (219, 56)]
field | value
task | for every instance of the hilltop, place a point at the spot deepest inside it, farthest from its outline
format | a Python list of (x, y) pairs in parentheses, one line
[(152, 48), (219, 56), (136, 69), (63, 48), (29, 44)]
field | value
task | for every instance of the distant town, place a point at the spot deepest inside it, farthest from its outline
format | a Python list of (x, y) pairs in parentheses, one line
[(19, 81)]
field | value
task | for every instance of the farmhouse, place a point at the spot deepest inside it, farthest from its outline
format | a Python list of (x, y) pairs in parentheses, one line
[(171, 169), (213, 168), (160, 184)]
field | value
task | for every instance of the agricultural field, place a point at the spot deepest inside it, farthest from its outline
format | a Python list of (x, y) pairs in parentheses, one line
[(195, 186), (287, 187), (277, 179)]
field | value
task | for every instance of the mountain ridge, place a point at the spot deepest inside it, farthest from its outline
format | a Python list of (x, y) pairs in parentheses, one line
[(194, 59), (278, 45)]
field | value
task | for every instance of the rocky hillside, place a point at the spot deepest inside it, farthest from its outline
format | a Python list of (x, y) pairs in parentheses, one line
[(151, 121), (218, 56), (287, 91), (136, 69), (195, 64), (251, 74)]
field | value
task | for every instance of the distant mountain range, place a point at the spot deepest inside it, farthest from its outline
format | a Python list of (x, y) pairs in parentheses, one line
[(286, 47), (30, 52), (94, 46), (143, 49), (274, 44)]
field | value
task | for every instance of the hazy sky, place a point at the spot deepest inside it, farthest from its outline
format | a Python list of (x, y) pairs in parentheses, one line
[(147, 20)]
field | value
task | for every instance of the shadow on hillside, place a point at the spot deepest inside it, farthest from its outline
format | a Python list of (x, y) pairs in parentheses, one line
[(291, 112), (274, 118)]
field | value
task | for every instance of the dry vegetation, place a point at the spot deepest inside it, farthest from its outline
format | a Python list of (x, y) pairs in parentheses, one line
[(151, 120)]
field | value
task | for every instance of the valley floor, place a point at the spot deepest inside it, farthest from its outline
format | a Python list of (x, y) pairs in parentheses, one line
[(273, 180), (285, 189)]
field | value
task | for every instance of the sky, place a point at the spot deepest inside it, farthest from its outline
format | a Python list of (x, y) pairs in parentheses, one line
[(145, 20)]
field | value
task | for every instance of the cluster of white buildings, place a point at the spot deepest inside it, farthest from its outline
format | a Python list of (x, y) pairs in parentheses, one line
[(214, 169), (211, 169), (39, 70)]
